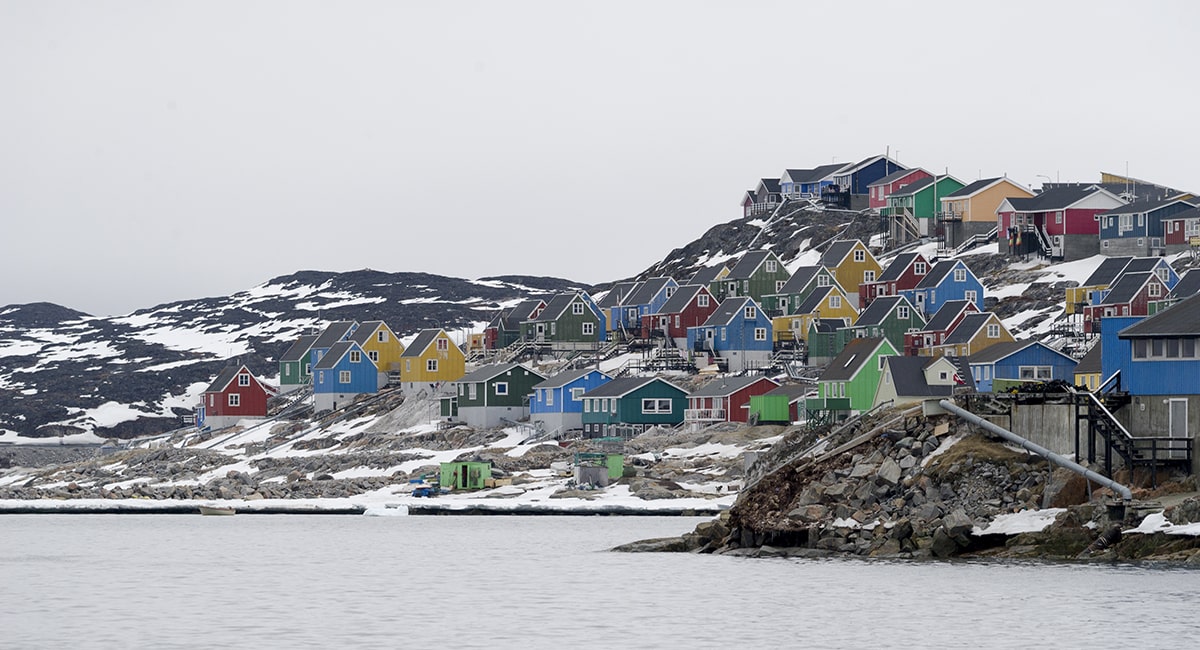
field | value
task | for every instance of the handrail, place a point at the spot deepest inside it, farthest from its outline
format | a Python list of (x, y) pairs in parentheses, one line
[(1061, 461)]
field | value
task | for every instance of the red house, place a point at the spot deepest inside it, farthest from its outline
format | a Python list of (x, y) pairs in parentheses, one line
[(938, 328), (903, 273), (689, 306), (1130, 296), (1180, 229), (724, 399), (236, 394), (878, 191), (1061, 223)]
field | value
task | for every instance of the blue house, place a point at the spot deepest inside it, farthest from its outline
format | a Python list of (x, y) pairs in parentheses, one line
[(1156, 265), (947, 280), (557, 402), (737, 336), (1002, 365), (854, 178), (644, 299), (807, 183), (333, 333), (343, 373), (1137, 228)]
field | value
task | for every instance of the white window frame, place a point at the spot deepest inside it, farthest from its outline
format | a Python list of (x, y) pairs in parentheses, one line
[(869, 276), (373, 355), (577, 309), (243, 379), (577, 394), (381, 336), (993, 331), (442, 345), (835, 302), (970, 295), (760, 334), (860, 255), (431, 365), (702, 300), (501, 387), (902, 312), (771, 266), (588, 328), (657, 405), (344, 376), (235, 399), (1035, 373), (355, 356), (960, 274), (749, 313)]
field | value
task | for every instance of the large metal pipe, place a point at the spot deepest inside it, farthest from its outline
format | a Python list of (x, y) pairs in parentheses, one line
[(1061, 461)]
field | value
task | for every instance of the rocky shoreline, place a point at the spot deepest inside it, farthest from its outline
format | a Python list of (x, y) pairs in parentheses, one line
[(916, 487)]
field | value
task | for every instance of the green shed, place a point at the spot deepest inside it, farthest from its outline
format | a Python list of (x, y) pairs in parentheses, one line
[(465, 475)]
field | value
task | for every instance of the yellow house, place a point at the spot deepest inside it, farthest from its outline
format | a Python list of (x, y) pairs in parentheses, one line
[(431, 361), (382, 346), (974, 332), (1087, 371), (852, 264), (822, 303), (1100, 279), (971, 211)]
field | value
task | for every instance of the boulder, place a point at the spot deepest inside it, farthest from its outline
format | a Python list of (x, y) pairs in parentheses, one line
[(889, 473), (943, 545)]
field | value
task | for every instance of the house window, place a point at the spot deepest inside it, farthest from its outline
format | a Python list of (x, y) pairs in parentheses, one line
[(235, 399), (760, 334), (1155, 290), (431, 365), (823, 280), (656, 406), (860, 256), (287, 371), (632, 312), (320, 376), (969, 295), (355, 356), (1141, 242), (343, 376), (612, 405), (1126, 223), (212, 400), (993, 331), (589, 328), (920, 269), (587, 405), (576, 395), (779, 285), (732, 290), (772, 266), (502, 388), (381, 336), (722, 333), (1058, 216), (868, 276), (1036, 373), (902, 312), (749, 313), (702, 300), (1163, 274), (677, 321), (670, 291), (243, 379), (960, 275), (577, 309), (307, 368), (373, 355), (443, 345)]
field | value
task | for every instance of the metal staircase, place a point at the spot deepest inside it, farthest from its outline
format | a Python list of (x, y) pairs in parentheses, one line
[(1137, 452)]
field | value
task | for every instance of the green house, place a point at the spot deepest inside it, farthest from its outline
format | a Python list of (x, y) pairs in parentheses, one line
[(915, 205), (778, 406), (494, 393), (797, 289), (889, 317), (294, 370), (757, 274), (465, 475), (850, 381), (627, 406), (570, 321)]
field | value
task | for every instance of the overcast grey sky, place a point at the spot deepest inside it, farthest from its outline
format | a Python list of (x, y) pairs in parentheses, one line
[(157, 151)]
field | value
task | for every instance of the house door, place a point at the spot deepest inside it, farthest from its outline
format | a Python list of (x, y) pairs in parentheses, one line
[(1177, 426), (541, 331), (921, 302)]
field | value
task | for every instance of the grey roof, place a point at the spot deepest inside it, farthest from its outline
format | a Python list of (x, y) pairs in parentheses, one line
[(625, 385), (722, 386), (998, 351), (1180, 319), (971, 188), (944, 317), (681, 298), (801, 277), (1108, 271), (1055, 198), (1190, 213), (647, 290), (813, 302), (334, 355), (522, 312), (878, 310), (895, 176), (847, 363), (419, 344), (365, 331), (333, 333), (938, 272), (1090, 361), (771, 185), (616, 294), (838, 251), (915, 186), (1147, 205), (1126, 288), (815, 174), (1146, 264), (555, 308), (851, 168), (793, 392), (827, 324), (224, 377), (485, 373), (707, 275), (898, 265), (968, 327), (1189, 285), (748, 265), (567, 376), (727, 310), (299, 349), (908, 377)]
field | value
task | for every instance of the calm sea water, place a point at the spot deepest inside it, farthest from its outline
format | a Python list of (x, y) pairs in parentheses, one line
[(160, 581)]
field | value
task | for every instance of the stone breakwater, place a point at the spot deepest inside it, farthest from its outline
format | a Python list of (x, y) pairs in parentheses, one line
[(927, 489)]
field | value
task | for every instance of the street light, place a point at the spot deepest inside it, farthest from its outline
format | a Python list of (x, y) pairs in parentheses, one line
[(1048, 180)]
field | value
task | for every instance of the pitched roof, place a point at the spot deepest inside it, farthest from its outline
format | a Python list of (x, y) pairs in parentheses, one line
[(838, 251), (1145, 205), (1001, 350), (365, 331), (771, 185), (908, 377), (748, 265), (1188, 285), (865, 162), (1055, 198), (334, 355), (614, 296), (727, 311), (1146, 264), (815, 174), (914, 187), (647, 290), (897, 267), (847, 363), (299, 349), (225, 376), (707, 275), (1091, 361), (567, 376), (333, 333), (522, 312), (878, 310), (793, 392), (801, 277), (812, 303), (1180, 319), (1108, 271), (485, 373), (979, 186), (1126, 288), (722, 386), (968, 327), (625, 385), (938, 272), (424, 340), (895, 176), (681, 298), (945, 315), (556, 307)]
